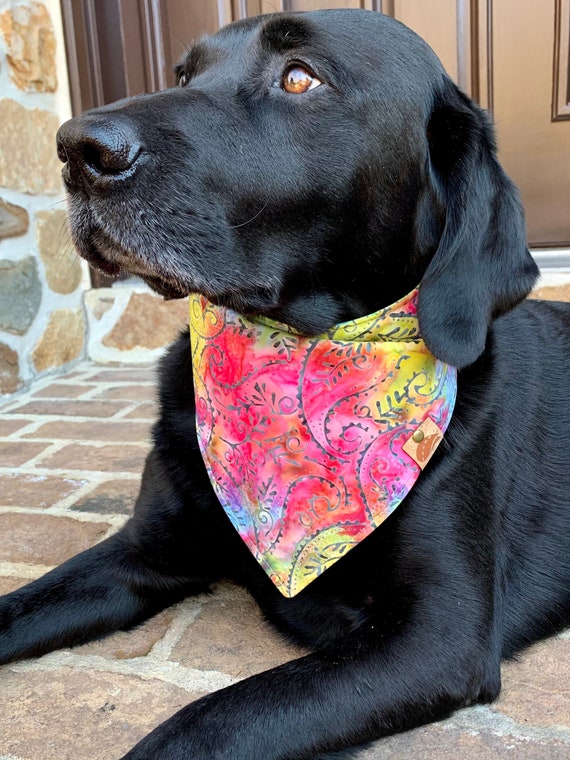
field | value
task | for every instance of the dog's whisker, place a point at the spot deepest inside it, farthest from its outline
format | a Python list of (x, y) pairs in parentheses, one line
[(249, 221)]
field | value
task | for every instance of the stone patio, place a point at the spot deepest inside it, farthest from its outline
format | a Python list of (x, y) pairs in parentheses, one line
[(71, 452)]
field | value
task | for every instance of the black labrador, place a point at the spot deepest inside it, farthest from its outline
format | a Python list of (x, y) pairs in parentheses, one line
[(313, 168)]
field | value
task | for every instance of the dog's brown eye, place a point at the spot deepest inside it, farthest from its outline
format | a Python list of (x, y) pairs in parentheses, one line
[(298, 80)]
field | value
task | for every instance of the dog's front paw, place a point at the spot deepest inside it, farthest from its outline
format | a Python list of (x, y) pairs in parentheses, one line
[(163, 745), (8, 645), (189, 734)]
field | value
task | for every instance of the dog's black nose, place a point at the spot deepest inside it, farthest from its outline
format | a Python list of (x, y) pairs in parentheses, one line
[(98, 149)]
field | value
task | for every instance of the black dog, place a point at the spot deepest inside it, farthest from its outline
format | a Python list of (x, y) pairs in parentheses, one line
[(314, 168)]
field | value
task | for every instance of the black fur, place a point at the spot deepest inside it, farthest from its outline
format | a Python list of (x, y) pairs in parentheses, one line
[(313, 209)]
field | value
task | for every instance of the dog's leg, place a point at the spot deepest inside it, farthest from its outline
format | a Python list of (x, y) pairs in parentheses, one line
[(94, 593), (161, 555), (365, 688)]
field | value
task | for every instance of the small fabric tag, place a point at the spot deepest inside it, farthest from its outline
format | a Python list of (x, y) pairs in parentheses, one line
[(423, 442)]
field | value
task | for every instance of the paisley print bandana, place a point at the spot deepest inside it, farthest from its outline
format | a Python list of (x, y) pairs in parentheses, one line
[(311, 442)]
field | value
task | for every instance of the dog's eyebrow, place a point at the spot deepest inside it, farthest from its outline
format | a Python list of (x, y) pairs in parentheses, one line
[(197, 58), (284, 33)]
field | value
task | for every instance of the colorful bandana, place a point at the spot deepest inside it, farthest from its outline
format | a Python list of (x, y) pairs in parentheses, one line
[(312, 442)]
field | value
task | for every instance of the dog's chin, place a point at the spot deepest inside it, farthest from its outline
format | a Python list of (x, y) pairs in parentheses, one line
[(168, 290), (96, 259), (114, 263), (107, 256)]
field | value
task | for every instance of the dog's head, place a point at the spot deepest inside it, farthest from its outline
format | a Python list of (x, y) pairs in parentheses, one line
[(311, 167)]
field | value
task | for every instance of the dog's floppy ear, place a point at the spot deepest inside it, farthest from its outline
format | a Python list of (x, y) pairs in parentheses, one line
[(481, 266)]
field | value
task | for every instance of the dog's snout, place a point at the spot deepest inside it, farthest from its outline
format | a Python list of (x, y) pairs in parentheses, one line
[(98, 149)]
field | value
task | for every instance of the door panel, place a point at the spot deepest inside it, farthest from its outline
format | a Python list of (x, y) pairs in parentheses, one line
[(315, 5), (272, 6), (534, 149), (435, 21), (561, 98), (179, 29)]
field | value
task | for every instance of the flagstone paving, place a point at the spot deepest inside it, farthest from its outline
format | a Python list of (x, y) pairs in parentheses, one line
[(71, 452)]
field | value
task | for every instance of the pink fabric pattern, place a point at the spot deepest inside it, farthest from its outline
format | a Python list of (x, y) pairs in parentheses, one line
[(302, 436)]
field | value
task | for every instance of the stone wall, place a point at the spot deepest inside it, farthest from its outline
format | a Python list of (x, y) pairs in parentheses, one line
[(49, 317), (42, 323), (128, 323)]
